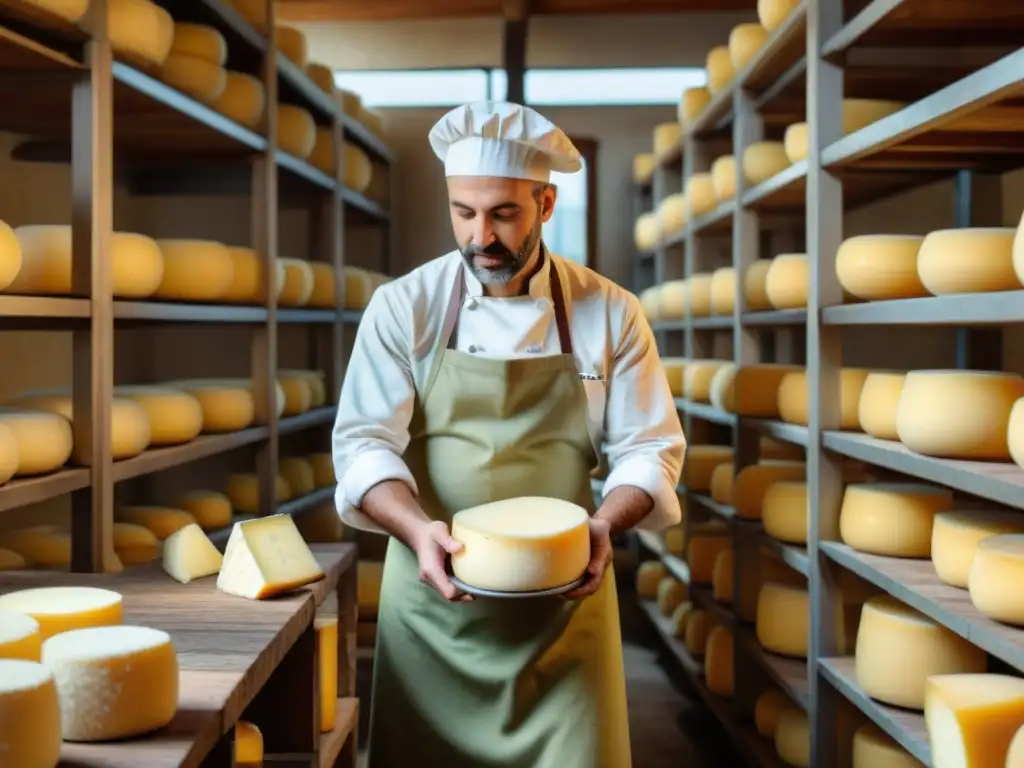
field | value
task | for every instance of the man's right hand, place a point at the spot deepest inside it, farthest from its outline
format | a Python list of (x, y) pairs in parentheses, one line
[(433, 545)]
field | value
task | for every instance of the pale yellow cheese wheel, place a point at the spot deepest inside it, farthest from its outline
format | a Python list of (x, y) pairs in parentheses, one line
[(298, 473), (203, 81), (324, 294), (643, 167), (722, 393), (648, 576), (956, 535), (701, 553), (228, 406), (700, 195), (292, 43), (140, 31), (769, 705), (247, 277), (322, 77), (195, 270), (880, 267), (296, 130), (1015, 433), (692, 103), (879, 398), (132, 535), (755, 285), (762, 160), (9, 458), (650, 303), (1015, 754), (671, 593), (358, 169), (873, 749), (995, 577), (722, 478), (723, 178), (323, 469), (796, 142), (753, 390), (697, 378), (748, 489), (298, 283), (1018, 250), (793, 738), (784, 511), (298, 394), (891, 519), (43, 439), (673, 299), (646, 232), (210, 509), (666, 138), (794, 404), (161, 521), (718, 661), (718, 67), (10, 255), (244, 492), (771, 13), (969, 260), (243, 100), (200, 41), (723, 291), (674, 371), (857, 114), (42, 546), (787, 281), (315, 380), (958, 414), (671, 213), (175, 417), (137, 264), (722, 577), (359, 287), (698, 295), (745, 41)]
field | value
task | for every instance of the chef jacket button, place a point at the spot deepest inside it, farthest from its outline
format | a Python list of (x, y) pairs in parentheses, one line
[(473, 348), (472, 303), (533, 349)]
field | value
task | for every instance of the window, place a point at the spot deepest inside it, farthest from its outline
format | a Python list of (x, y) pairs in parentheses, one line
[(565, 233), (415, 88)]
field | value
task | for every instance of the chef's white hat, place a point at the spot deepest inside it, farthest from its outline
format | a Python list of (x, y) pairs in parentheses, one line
[(504, 140)]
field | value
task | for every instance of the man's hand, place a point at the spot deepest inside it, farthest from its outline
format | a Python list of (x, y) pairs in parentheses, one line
[(600, 559), (432, 546)]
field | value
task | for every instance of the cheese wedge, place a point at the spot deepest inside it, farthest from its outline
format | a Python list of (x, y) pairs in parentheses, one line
[(267, 557)]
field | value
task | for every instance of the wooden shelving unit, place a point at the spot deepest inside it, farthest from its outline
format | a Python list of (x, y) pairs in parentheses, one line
[(961, 122)]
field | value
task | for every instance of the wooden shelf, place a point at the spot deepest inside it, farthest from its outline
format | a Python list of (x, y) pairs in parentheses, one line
[(789, 674), (706, 412), (967, 309), (345, 724)]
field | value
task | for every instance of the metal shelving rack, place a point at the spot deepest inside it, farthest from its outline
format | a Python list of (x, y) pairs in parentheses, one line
[(827, 50), (104, 114)]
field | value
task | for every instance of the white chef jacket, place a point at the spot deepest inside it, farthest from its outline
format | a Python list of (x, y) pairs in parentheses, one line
[(630, 406)]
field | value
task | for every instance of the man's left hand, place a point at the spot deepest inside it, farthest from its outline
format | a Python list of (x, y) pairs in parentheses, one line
[(600, 559)]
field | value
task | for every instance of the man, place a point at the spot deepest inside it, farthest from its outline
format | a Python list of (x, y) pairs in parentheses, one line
[(490, 373)]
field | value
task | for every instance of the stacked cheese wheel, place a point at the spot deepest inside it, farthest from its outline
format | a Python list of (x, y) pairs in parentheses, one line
[(360, 285), (646, 232), (643, 167)]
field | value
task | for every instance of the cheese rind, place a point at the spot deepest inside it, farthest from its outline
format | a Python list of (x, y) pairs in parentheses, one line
[(210, 509), (880, 267), (879, 399), (762, 160), (20, 637), (692, 103), (203, 81), (292, 43), (522, 544), (892, 519), (745, 41), (62, 609), (701, 553), (794, 405), (787, 281), (200, 41), (723, 177), (248, 745), (30, 727), (175, 417), (956, 535), (189, 555), (10, 255), (944, 270), (755, 281), (326, 628), (772, 13), (995, 573), (784, 511), (718, 67), (266, 557), (243, 99), (972, 719), (701, 461), (195, 270), (783, 619), (722, 576)]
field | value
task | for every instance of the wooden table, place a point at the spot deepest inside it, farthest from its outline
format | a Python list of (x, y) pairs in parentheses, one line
[(239, 659)]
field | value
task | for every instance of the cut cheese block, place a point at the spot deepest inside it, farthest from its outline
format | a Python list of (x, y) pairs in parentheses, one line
[(210, 509), (322, 77), (701, 553), (10, 255), (243, 100), (298, 283), (697, 378), (997, 568), (718, 661), (972, 719), (522, 544), (643, 167), (722, 478), (671, 215), (162, 521), (136, 262), (701, 461), (692, 103), (784, 512), (140, 31), (248, 745), (244, 492), (43, 546), (771, 13), (880, 267), (786, 283), (873, 749), (175, 417), (648, 576), (201, 42), (190, 555), (700, 195), (898, 649), (19, 637), (324, 294), (227, 406), (11, 560), (879, 398), (718, 67), (61, 609), (247, 278), (292, 43), (767, 709), (195, 270), (783, 619), (680, 617), (266, 557), (666, 138), (323, 470), (298, 394), (944, 269), (298, 473), (956, 535), (326, 628), (30, 727), (321, 524), (9, 458), (762, 160), (793, 397), (369, 576), (722, 577), (698, 627), (958, 414), (892, 519), (671, 593), (751, 482), (723, 291), (114, 682), (723, 177), (1015, 433), (745, 41), (755, 285), (793, 738), (296, 130), (203, 81)]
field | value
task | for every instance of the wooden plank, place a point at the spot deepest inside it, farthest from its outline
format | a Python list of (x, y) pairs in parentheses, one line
[(789, 674), (333, 742)]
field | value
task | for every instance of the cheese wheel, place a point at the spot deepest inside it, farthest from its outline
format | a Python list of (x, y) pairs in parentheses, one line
[(796, 142), (350, 102), (244, 492), (292, 43), (297, 394), (745, 40), (674, 368), (692, 103), (323, 470), (203, 81), (248, 745), (880, 267), (227, 406), (721, 483), (944, 270), (643, 167), (369, 578), (857, 114), (61, 609), (10, 255), (211, 510), (671, 215), (313, 381), (162, 521), (767, 709), (762, 160), (30, 715), (646, 232), (243, 99), (9, 456), (998, 564), (137, 264), (201, 42), (359, 287), (723, 178), (43, 546), (721, 391), (898, 649), (793, 397), (666, 139), (296, 130), (723, 291), (751, 482), (697, 295), (701, 461), (771, 13), (253, 11), (298, 473), (1015, 754), (358, 169), (956, 535), (722, 577), (1018, 250), (718, 67), (892, 519), (195, 270), (958, 414), (873, 749), (783, 619), (322, 156), (700, 195), (755, 389), (174, 417), (521, 545), (322, 77), (114, 681), (786, 283), (648, 576), (879, 398), (697, 377), (675, 539), (680, 617), (298, 283), (793, 738), (140, 31), (784, 512), (19, 637), (11, 561), (972, 719), (755, 286), (1015, 433), (718, 661), (671, 593), (698, 627), (247, 277), (134, 544), (701, 552)]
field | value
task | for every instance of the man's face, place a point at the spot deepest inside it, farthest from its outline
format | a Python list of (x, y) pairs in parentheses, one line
[(497, 223)]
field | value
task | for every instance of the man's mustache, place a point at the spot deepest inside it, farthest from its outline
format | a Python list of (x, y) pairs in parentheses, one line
[(496, 249)]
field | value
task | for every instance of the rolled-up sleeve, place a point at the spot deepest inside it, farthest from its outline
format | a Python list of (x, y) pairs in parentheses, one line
[(371, 431), (644, 438)]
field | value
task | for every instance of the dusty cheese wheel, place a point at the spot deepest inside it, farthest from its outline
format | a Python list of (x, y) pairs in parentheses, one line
[(956, 535), (648, 576), (997, 567), (201, 42), (140, 31), (211, 510), (358, 169), (292, 43), (298, 473), (697, 379), (972, 719), (772, 13), (195, 270), (793, 738), (723, 291), (61, 609), (692, 103), (175, 417), (674, 368), (700, 195), (322, 77), (671, 214), (646, 231), (945, 268), (19, 636), (754, 389), (718, 661), (643, 167), (161, 521), (873, 749), (718, 67), (958, 414), (298, 394), (10, 255), (755, 285), (228, 406), (243, 100), (521, 544), (671, 592), (880, 267), (787, 281), (298, 283), (665, 138), (244, 492), (794, 406), (879, 399), (898, 649), (137, 264), (723, 178), (784, 511), (42, 546), (30, 714), (296, 130), (892, 519), (751, 483), (769, 705), (323, 469), (722, 478), (1015, 433), (196, 77), (701, 552), (762, 160), (722, 576), (44, 439), (701, 461), (745, 41)]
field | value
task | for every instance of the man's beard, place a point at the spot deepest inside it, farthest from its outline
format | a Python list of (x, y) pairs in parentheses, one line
[(512, 263)]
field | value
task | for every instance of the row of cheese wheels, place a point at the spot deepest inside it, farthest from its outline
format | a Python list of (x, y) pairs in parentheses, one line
[(36, 434), (36, 260)]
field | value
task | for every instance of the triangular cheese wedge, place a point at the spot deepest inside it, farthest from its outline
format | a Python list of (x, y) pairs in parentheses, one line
[(265, 557), (189, 554)]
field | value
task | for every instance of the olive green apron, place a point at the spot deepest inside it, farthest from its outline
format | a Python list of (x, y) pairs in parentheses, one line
[(497, 683)]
